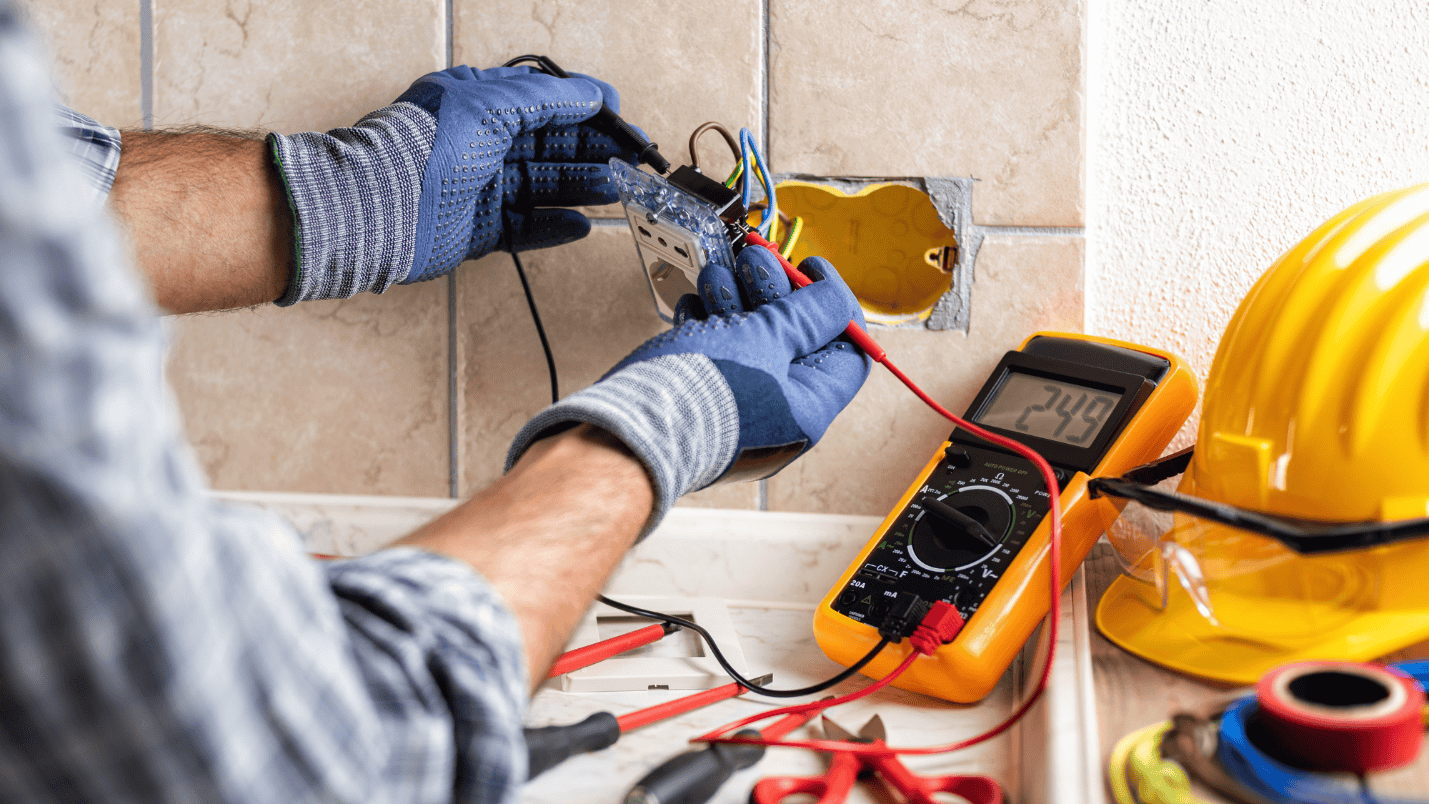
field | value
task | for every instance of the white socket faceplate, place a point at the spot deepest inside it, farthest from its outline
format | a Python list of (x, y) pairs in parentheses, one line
[(658, 672)]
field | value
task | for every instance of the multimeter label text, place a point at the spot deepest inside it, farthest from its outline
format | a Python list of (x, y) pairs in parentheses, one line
[(953, 540)]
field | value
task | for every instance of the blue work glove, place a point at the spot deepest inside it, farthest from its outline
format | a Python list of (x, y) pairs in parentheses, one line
[(748, 380), (464, 162)]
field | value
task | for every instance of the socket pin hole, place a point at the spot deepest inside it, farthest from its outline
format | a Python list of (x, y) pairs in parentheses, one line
[(682, 252), (643, 231), (662, 241)]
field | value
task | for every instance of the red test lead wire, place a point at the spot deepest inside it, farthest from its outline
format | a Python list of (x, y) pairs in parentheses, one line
[(860, 338), (854, 332)]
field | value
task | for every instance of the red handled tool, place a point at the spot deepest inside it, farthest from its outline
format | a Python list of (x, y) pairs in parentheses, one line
[(549, 746), (573, 660), (847, 767)]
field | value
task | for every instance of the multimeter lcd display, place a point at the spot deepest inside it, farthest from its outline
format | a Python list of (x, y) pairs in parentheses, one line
[(1051, 409)]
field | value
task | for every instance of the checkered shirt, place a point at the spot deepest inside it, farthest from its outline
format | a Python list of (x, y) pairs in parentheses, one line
[(157, 645), (94, 148)]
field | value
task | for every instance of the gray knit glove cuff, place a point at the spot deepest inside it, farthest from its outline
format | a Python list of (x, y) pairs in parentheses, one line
[(676, 413), (354, 193)]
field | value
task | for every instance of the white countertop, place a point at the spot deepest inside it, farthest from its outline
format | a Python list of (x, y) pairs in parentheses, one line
[(770, 569)]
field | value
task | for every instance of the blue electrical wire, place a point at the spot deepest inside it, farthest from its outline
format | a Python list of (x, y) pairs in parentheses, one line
[(749, 152), (1286, 785)]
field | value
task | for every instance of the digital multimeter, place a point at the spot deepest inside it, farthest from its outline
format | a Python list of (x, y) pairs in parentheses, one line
[(973, 529)]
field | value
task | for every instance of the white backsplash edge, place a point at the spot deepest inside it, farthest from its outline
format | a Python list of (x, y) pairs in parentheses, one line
[(746, 557)]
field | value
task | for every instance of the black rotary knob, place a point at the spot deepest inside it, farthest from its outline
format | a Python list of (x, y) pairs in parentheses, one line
[(954, 530)]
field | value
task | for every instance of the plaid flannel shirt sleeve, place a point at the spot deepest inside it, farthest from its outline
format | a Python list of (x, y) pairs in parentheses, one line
[(158, 645), (94, 149)]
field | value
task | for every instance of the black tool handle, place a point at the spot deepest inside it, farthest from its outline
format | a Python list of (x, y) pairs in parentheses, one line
[(646, 151), (694, 776), (549, 746)]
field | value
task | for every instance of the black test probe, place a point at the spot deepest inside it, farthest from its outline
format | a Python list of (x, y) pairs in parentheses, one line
[(606, 119)]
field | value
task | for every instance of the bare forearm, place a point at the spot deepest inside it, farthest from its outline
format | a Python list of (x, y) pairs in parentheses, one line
[(549, 533), (207, 218)]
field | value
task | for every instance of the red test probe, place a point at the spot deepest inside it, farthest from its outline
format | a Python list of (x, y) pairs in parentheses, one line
[(854, 332), (573, 660)]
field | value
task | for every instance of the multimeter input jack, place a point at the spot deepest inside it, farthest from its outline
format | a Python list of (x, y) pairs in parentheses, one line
[(902, 617)]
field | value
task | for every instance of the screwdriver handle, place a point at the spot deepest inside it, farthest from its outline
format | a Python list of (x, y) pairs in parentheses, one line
[(549, 746), (694, 776)]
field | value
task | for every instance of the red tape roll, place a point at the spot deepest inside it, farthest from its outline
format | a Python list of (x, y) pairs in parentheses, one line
[(1342, 716)]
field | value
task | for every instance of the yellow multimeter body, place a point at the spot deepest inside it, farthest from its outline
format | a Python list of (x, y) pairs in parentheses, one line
[(1092, 407)]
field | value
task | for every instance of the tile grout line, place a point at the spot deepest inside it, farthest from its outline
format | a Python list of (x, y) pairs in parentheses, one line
[(453, 451), (146, 63), (451, 38), (453, 448), (1032, 231), (766, 72)]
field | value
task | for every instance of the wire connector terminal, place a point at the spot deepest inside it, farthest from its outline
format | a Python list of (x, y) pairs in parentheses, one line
[(903, 619), (939, 627)]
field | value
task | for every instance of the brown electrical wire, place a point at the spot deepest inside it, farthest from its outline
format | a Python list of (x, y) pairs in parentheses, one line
[(724, 132), (733, 144)]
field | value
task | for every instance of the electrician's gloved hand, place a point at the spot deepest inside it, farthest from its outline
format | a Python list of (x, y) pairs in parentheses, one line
[(464, 162), (749, 379)]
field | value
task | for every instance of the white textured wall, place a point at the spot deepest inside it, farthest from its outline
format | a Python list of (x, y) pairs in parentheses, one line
[(1221, 132)]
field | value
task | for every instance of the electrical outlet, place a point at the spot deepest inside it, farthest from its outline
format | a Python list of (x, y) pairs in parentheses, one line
[(676, 234)]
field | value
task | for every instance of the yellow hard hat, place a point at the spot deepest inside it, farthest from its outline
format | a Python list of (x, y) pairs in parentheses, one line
[(1299, 527)]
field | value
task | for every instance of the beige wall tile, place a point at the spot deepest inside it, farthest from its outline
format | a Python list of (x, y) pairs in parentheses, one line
[(724, 495), (328, 397), (290, 66), (343, 397), (596, 309), (989, 88), (676, 65), (876, 447), (95, 46)]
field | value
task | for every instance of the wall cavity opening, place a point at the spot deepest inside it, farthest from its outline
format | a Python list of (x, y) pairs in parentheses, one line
[(902, 244)]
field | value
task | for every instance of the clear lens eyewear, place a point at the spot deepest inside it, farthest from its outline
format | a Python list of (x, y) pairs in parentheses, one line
[(1267, 579)]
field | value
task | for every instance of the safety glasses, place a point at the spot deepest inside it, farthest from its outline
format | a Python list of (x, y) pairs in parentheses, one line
[(1272, 579), (1305, 537)]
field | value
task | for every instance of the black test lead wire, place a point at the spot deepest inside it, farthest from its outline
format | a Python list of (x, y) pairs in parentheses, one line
[(540, 330), (605, 118), (723, 662)]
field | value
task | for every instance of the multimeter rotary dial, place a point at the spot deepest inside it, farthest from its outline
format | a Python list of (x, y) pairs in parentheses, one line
[(954, 538), (953, 532)]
